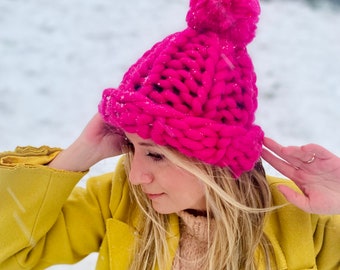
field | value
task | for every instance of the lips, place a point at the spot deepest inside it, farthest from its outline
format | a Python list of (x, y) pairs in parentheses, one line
[(153, 196)]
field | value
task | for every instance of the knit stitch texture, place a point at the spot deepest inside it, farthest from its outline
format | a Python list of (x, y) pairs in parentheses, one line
[(196, 90)]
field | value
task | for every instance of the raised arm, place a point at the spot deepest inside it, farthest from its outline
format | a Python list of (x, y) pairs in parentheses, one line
[(44, 218), (97, 141), (315, 170)]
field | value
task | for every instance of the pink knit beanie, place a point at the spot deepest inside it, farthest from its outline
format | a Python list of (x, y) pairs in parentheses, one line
[(195, 90)]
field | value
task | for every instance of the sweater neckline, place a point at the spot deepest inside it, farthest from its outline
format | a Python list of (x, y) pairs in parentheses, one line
[(196, 226)]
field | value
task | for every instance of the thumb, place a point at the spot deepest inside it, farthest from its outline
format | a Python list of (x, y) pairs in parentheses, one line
[(296, 198)]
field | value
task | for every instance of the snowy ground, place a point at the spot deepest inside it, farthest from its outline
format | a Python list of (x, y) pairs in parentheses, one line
[(57, 56)]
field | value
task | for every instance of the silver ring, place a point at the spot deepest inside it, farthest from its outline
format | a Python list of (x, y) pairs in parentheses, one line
[(311, 159)]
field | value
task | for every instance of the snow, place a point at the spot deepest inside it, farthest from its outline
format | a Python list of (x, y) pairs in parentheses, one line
[(56, 57)]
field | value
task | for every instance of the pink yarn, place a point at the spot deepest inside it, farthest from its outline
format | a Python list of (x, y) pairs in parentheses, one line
[(236, 19), (209, 141), (195, 91)]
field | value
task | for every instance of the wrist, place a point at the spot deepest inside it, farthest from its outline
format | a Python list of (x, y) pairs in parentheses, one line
[(77, 157)]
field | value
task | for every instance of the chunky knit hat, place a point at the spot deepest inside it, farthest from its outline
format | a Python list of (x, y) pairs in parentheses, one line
[(195, 90)]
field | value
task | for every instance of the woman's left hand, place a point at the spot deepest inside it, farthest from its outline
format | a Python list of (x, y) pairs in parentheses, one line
[(315, 170)]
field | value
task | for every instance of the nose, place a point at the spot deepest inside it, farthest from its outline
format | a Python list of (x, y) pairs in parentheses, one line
[(139, 174)]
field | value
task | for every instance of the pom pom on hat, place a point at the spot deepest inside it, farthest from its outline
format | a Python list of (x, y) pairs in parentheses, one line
[(195, 91), (235, 19)]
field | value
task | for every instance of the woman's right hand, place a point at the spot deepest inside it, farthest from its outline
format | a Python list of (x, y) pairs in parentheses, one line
[(97, 141), (314, 169)]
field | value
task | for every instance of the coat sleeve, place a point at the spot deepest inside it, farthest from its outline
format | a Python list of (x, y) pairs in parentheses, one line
[(327, 242), (44, 218), (305, 240)]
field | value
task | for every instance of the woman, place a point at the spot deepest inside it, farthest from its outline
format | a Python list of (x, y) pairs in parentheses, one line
[(190, 191)]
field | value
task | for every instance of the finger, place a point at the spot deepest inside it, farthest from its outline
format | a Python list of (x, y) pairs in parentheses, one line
[(299, 155), (272, 145), (298, 199), (295, 155), (281, 151), (297, 152), (320, 152), (279, 164)]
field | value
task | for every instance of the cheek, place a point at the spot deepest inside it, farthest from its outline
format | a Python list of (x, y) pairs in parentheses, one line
[(187, 186), (192, 196), (196, 191)]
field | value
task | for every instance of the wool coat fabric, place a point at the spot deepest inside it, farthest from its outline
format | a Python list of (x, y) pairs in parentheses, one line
[(46, 219)]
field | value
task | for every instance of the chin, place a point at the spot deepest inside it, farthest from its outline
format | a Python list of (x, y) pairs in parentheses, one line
[(164, 210)]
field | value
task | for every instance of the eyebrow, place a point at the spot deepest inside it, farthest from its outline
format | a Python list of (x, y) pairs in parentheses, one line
[(146, 144)]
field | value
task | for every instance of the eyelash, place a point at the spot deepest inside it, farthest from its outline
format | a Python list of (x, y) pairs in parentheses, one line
[(155, 156), (128, 146)]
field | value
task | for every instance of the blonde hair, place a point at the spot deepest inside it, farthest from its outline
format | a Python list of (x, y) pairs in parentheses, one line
[(238, 208)]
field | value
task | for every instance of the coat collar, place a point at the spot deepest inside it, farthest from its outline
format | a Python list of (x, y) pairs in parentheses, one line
[(121, 239)]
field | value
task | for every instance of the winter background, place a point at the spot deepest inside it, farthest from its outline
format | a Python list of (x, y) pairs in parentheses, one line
[(56, 57)]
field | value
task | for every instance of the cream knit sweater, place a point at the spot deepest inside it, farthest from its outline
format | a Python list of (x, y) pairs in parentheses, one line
[(193, 243)]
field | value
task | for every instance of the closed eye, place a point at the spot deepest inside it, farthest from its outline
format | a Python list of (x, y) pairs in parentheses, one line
[(155, 156)]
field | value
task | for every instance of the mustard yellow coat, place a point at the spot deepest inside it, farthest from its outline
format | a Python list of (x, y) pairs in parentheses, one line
[(46, 220)]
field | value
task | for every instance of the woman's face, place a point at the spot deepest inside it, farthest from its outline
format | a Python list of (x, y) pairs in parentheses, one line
[(170, 188)]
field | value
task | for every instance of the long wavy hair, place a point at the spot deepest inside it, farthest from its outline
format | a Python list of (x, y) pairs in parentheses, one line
[(237, 206)]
